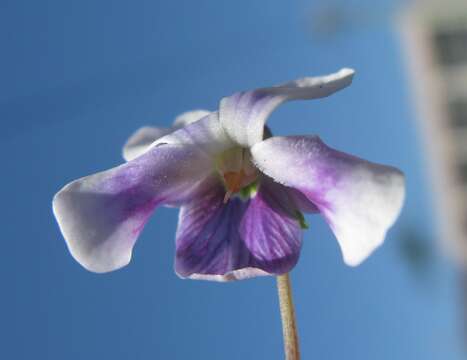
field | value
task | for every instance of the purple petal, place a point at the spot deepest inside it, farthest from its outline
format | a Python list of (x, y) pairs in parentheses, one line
[(271, 229), (237, 240), (360, 200), (302, 203), (244, 114), (101, 215)]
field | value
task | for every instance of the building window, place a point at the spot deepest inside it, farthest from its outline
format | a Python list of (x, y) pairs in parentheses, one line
[(451, 46), (458, 113)]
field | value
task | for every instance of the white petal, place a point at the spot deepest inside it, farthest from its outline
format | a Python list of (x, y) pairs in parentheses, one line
[(139, 142), (190, 117), (244, 114), (360, 200), (241, 274), (207, 134)]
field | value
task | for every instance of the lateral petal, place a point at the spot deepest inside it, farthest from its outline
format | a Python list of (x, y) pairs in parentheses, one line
[(101, 216), (360, 200)]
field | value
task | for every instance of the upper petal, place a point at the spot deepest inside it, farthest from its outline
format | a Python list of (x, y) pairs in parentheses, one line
[(237, 240), (101, 215), (140, 141), (189, 117), (207, 134), (360, 200), (244, 114)]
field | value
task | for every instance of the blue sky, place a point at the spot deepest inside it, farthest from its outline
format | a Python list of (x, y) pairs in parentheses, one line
[(79, 77)]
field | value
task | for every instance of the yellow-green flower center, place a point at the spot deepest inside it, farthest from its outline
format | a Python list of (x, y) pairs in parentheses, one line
[(237, 171)]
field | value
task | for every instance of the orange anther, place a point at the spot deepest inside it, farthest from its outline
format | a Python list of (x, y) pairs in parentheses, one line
[(233, 181)]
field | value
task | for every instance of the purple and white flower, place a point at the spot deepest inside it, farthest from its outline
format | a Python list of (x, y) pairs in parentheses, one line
[(242, 192)]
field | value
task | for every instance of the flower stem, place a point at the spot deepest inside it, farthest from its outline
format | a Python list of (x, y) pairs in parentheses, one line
[(289, 326)]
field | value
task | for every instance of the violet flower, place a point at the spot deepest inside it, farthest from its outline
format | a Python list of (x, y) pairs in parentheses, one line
[(241, 191)]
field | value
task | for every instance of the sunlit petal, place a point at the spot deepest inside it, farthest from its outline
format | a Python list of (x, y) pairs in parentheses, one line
[(359, 199), (140, 141), (244, 114), (101, 215)]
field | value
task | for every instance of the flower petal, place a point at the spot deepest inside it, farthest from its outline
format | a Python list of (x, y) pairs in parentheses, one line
[(271, 228), (244, 114), (302, 203), (189, 117), (101, 215), (139, 142), (207, 134), (237, 240), (359, 199)]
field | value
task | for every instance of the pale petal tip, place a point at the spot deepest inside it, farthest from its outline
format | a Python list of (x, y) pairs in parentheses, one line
[(345, 75), (355, 257), (82, 256), (240, 274), (98, 267), (347, 72)]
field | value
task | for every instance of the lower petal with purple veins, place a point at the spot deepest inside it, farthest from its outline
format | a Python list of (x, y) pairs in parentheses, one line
[(271, 229), (237, 240)]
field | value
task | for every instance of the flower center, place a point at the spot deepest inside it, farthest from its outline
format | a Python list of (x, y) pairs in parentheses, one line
[(236, 169)]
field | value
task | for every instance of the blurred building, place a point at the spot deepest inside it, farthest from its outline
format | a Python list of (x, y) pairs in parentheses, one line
[(434, 38)]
